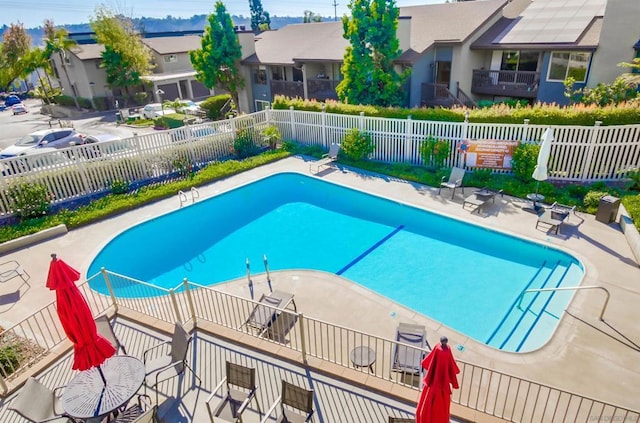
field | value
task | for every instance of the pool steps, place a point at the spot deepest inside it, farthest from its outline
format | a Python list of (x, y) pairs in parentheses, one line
[(538, 313)]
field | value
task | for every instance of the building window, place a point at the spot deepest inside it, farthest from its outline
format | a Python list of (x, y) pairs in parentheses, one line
[(260, 75), (278, 73), (170, 58), (568, 64), (520, 60), (98, 63)]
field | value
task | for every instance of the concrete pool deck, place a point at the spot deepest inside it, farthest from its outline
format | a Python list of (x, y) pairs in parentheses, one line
[(586, 356)]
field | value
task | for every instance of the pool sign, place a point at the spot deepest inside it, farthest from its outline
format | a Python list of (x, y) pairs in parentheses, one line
[(493, 154)]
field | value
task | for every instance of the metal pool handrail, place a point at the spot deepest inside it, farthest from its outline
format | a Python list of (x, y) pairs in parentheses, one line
[(570, 288)]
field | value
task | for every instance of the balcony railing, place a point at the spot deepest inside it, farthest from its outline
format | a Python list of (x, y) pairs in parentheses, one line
[(287, 88), (505, 83), (322, 89)]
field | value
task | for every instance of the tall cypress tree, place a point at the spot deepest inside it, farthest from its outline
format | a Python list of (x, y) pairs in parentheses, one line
[(216, 63), (260, 20), (369, 76)]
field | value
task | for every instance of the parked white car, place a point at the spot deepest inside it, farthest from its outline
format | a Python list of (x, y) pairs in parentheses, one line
[(154, 110), (56, 138), (190, 108)]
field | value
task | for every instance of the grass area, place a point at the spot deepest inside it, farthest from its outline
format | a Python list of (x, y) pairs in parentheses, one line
[(584, 197)]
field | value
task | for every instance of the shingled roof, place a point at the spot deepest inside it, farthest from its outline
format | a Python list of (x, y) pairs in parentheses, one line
[(172, 45)]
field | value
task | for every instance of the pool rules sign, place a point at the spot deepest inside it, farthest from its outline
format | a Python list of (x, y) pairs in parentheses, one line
[(493, 154)]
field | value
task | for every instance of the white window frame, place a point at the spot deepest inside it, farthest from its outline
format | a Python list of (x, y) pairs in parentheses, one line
[(586, 73), (262, 102), (170, 58)]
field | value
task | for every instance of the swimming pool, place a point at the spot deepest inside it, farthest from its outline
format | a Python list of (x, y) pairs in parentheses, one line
[(462, 275)]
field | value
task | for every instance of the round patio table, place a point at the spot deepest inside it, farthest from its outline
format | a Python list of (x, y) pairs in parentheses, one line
[(363, 357), (87, 395)]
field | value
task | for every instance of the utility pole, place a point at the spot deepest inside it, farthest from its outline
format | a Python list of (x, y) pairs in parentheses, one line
[(335, 10)]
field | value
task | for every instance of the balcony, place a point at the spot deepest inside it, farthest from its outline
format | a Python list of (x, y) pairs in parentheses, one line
[(290, 89), (523, 84), (322, 89)]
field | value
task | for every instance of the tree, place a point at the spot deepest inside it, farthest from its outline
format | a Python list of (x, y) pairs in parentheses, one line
[(216, 63), (58, 42), (33, 61), (260, 20), (15, 44), (125, 58), (309, 17), (369, 75), (634, 76)]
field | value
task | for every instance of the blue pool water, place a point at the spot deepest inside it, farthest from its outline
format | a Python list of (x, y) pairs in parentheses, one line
[(465, 276)]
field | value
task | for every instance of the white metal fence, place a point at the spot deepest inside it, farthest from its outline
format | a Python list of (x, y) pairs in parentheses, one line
[(578, 153)]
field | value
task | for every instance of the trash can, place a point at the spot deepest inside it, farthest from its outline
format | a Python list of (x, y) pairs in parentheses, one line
[(607, 209)]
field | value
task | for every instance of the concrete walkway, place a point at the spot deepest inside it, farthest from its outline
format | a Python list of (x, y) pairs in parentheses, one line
[(585, 356)]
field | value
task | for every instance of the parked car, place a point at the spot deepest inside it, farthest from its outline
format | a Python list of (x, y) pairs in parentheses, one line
[(187, 132), (35, 159), (90, 139), (154, 110), (56, 138), (11, 100), (19, 108), (190, 108)]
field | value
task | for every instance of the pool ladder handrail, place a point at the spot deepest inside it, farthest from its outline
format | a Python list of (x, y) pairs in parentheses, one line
[(570, 288), (182, 197)]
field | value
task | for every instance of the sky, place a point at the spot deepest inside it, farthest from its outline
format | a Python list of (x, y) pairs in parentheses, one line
[(33, 12)]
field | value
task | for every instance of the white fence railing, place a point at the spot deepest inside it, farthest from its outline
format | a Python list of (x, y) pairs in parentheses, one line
[(508, 397), (578, 153)]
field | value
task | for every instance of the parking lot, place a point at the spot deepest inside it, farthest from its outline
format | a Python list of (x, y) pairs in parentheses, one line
[(14, 127)]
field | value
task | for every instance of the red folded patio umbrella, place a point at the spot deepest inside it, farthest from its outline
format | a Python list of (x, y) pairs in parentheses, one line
[(90, 349), (435, 399)]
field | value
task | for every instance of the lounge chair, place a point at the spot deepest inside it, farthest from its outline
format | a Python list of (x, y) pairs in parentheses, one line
[(296, 405), (264, 313), (554, 216), (37, 403), (169, 365), (106, 330), (12, 269), (411, 340), (281, 326), (455, 181), (326, 159), (241, 388)]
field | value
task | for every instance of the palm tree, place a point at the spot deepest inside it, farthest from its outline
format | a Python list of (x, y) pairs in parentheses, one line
[(60, 43), (33, 61)]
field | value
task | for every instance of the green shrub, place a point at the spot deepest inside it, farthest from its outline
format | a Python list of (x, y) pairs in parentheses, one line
[(271, 135), (213, 106), (170, 121), (118, 186), (634, 179), (29, 199), (140, 98), (592, 200), (9, 359), (434, 152), (102, 103), (243, 145), (632, 204), (523, 162), (481, 177), (357, 145)]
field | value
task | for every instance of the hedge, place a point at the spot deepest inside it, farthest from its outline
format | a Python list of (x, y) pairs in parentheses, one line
[(538, 114), (213, 106)]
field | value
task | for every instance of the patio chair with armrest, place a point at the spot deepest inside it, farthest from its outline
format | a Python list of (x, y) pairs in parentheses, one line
[(264, 313), (39, 404), (241, 388), (169, 365), (296, 405), (326, 159), (455, 181), (12, 269), (408, 352), (281, 326), (142, 411), (554, 216), (106, 330)]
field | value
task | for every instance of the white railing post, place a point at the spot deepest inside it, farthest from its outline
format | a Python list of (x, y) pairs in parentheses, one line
[(303, 345), (232, 124), (323, 116), (408, 136), (361, 122), (267, 115), (292, 121), (192, 307), (524, 135), (176, 309), (107, 282), (593, 139)]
